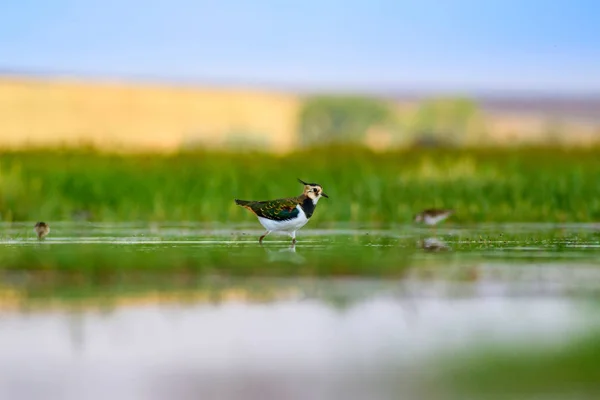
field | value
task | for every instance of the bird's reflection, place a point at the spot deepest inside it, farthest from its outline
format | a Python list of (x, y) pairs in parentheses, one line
[(433, 244), (287, 254)]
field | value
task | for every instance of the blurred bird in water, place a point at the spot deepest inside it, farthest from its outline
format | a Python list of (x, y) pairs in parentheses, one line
[(433, 216), (41, 229), (286, 215)]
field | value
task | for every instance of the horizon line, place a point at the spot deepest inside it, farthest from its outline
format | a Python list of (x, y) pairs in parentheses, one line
[(381, 89)]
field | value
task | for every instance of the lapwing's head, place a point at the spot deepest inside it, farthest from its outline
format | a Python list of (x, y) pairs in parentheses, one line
[(418, 217), (313, 191), (41, 226)]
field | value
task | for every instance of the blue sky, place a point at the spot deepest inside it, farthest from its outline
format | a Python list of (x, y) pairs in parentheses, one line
[(527, 45)]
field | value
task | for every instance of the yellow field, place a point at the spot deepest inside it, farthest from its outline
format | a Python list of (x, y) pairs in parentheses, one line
[(136, 117), (127, 116)]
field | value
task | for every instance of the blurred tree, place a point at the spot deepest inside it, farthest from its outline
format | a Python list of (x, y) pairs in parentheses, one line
[(447, 121), (554, 130), (327, 119)]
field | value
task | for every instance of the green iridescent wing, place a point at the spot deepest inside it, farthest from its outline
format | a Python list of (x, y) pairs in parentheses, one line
[(277, 210)]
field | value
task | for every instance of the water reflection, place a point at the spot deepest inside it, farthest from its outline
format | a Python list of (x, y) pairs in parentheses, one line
[(286, 254), (433, 244), (291, 348)]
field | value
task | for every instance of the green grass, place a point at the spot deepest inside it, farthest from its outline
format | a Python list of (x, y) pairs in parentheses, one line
[(523, 185)]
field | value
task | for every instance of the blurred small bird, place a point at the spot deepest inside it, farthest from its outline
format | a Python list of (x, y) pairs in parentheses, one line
[(432, 216), (286, 215), (41, 229)]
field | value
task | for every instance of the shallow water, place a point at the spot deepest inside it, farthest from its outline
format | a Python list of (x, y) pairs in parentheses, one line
[(435, 296)]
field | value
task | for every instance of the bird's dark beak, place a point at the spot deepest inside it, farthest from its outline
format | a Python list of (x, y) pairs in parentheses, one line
[(324, 195)]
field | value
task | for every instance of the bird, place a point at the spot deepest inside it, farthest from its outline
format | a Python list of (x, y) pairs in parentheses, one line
[(432, 216), (41, 229), (286, 215)]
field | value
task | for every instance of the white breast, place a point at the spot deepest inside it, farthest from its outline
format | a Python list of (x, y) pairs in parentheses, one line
[(429, 220), (287, 226)]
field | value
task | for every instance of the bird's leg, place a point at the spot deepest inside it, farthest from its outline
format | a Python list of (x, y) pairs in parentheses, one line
[(293, 235), (433, 229), (263, 236)]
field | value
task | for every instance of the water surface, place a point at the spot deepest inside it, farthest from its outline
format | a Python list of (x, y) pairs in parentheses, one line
[(143, 311)]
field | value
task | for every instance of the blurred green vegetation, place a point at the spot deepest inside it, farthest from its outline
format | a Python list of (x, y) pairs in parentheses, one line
[(483, 185), (514, 372), (448, 121), (335, 119), (437, 121)]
